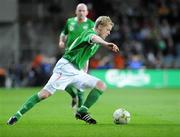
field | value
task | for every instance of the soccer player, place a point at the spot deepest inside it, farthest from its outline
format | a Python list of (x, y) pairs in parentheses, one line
[(73, 28), (68, 71)]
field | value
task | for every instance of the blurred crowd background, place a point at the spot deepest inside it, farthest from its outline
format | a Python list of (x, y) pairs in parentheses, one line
[(146, 31)]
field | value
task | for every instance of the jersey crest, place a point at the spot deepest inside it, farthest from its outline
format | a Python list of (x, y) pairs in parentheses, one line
[(71, 27), (85, 27)]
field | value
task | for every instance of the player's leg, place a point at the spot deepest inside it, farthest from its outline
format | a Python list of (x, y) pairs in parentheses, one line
[(93, 96), (80, 95), (77, 96), (47, 91), (31, 102), (73, 93), (98, 88)]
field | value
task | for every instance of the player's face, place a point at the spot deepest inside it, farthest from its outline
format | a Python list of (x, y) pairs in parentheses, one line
[(104, 31), (81, 11)]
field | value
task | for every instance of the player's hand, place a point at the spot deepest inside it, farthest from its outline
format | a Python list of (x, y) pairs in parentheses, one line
[(113, 47), (61, 44)]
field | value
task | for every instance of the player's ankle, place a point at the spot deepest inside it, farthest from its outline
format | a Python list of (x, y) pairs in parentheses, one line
[(18, 115), (82, 109)]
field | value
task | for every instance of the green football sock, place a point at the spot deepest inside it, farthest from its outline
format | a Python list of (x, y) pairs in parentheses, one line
[(80, 98), (34, 99), (71, 90), (91, 99)]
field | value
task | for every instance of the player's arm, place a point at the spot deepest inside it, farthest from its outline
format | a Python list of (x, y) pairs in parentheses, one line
[(63, 36), (85, 69), (62, 40), (99, 40)]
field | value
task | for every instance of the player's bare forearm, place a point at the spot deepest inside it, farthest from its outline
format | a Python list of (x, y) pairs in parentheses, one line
[(62, 40), (86, 67), (99, 40)]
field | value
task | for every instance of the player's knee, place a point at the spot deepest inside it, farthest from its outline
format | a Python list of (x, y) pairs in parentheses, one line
[(101, 85), (43, 94)]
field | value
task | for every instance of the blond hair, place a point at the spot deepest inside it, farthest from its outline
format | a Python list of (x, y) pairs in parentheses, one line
[(103, 21)]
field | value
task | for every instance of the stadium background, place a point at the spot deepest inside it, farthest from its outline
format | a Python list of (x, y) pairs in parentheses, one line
[(147, 32)]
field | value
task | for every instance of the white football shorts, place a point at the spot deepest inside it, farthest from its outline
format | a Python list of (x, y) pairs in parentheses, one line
[(65, 74)]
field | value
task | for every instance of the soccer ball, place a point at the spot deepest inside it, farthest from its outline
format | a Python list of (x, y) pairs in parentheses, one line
[(121, 116)]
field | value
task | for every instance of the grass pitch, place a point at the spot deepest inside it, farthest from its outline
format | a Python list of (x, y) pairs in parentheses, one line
[(154, 113)]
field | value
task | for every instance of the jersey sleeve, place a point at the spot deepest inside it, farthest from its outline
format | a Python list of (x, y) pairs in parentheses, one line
[(88, 38), (65, 29)]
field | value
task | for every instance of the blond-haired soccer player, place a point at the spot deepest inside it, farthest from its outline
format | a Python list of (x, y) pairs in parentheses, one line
[(68, 71), (73, 28)]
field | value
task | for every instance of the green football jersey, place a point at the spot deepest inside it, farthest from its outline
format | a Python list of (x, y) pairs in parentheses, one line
[(73, 29), (81, 49)]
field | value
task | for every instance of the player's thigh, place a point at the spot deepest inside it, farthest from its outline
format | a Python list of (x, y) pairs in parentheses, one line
[(57, 81), (84, 80)]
